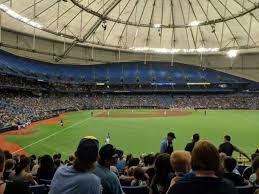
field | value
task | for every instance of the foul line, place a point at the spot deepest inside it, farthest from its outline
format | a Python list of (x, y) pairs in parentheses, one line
[(53, 134)]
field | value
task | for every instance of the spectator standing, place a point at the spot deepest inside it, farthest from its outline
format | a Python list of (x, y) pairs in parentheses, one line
[(166, 145), (195, 138), (108, 158), (228, 148), (78, 178)]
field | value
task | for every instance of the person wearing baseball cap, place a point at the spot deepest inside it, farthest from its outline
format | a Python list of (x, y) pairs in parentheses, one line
[(195, 138), (166, 145), (78, 178), (108, 157)]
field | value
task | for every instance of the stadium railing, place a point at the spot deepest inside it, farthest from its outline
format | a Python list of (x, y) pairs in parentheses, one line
[(249, 189), (135, 189), (241, 168), (39, 189)]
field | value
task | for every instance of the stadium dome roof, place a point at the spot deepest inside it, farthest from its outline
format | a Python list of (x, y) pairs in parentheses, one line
[(167, 26)]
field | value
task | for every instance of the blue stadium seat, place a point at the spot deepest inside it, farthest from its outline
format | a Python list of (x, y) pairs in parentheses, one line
[(44, 181), (39, 189), (135, 189), (130, 72), (249, 189), (241, 168)]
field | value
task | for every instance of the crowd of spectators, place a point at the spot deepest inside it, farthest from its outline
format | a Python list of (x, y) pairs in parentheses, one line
[(41, 84), (19, 108), (22, 108), (217, 102), (94, 170)]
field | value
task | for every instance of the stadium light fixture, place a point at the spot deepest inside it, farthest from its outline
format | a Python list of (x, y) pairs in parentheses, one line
[(157, 25), (17, 16), (173, 50), (194, 23), (232, 53)]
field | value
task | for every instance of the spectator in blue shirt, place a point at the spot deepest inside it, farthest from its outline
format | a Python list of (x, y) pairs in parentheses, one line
[(108, 158), (78, 178), (121, 164), (167, 144)]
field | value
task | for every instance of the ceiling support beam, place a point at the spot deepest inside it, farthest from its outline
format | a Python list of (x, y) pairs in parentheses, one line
[(240, 24), (61, 15), (90, 31), (125, 26), (249, 30), (150, 23), (58, 11), (84, 26), (186, 32), (244, 8), (69, 22), (29, 7), (173, 40), (46, 9), (120, 13), (140, 19), (162, 17), (214, 21), (198, 27), (225, 23), (34, 29), (207, 17)]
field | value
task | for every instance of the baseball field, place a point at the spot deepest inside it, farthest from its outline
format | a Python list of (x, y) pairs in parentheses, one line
[(135, 131)]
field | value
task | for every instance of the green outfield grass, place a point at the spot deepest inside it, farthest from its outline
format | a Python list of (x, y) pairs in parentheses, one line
[(143, 135)]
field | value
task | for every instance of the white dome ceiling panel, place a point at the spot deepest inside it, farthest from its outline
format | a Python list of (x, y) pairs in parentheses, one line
[(140, 38), (112, 34), (254, 31), (158, 11), (20, 8), (98, 5), (131, 11), (153, 38), (181, 39), (220, 7), (207, 38), (128, 37), (182, 24), (167, 13), (167, 38), (240, 31), (147, 12), (108, 34)]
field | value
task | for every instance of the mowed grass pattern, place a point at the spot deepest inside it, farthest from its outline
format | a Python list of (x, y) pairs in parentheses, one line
[(143, 135)]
